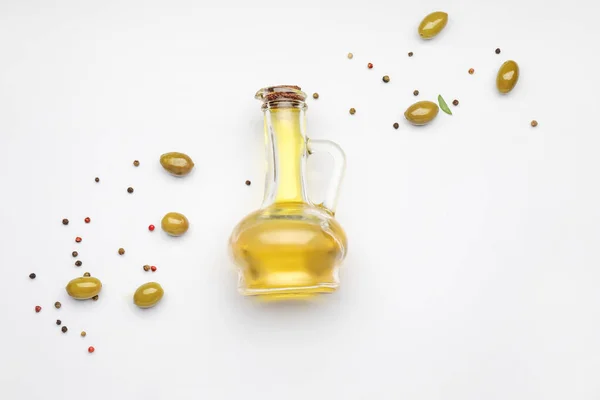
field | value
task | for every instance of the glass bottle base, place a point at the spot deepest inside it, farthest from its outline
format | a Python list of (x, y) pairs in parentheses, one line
[(288, 250), (277, 284)]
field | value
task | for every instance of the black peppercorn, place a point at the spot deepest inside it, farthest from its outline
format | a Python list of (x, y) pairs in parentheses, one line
[(58, 322), (410, 53), (416, 92), (97, 179), (385, 78), (78, 263), (396, 126), (57, 304), (497, 51), (455, 102), (64, 329), (32, 276), (74, 254), (248, 183), (65, 221), (129, 190)]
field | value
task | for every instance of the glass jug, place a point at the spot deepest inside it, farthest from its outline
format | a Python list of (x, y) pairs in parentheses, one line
[(290, 246)]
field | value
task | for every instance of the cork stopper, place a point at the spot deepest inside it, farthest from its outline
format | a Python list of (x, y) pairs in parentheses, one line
[(276, 95)]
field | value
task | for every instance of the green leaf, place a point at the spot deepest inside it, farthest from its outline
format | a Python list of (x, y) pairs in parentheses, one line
[(443, 105)]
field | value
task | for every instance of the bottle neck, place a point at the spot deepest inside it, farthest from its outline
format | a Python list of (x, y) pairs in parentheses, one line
[(285, 141)]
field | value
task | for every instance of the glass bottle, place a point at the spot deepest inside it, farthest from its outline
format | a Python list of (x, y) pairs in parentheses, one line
[(291, 246)]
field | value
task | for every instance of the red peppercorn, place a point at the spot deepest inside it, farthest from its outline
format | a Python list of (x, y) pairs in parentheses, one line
[(78, 239), (151, 228), (153, 268), (87, 220), (369, 65), (91, 349), (38, 308)]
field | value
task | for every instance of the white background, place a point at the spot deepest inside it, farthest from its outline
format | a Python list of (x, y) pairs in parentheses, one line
[(472, 272)]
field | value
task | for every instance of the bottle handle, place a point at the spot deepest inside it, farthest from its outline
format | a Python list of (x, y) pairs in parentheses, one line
[(339, 167)]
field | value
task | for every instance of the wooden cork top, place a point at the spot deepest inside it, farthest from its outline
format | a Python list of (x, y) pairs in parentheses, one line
[(281, 92)]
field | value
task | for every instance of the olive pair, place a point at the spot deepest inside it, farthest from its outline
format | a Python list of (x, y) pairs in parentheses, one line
[(508, 74), (177, 164), (83, 288), (424, 112)]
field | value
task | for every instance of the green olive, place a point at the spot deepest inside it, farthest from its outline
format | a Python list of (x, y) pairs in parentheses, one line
[(84, 288), (148, 295), (421, 113), (508, 75), (177, 164), (175, 224), (433, 24)]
